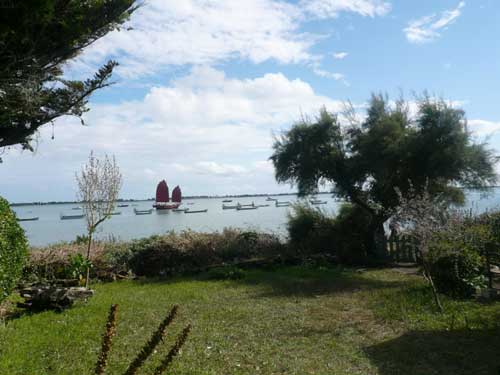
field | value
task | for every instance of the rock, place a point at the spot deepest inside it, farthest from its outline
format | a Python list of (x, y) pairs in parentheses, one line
[(52, 297)]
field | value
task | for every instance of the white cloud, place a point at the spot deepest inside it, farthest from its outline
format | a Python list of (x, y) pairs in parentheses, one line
[(483, 127), (200, 131), (332, 8), (429, 28), (340, 55), (212, 168), (170, 33)]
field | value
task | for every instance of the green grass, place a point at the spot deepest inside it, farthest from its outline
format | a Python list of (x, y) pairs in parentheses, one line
[(293, 320)]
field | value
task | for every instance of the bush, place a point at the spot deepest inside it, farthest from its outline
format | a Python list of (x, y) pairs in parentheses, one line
[(459, 274), (13, 249), (310, 230), (192, 251), (169, 254), (344, 236), (352, 234)]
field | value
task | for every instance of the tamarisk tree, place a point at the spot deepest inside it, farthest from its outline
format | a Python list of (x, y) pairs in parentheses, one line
[(365, 160), (99, 183)]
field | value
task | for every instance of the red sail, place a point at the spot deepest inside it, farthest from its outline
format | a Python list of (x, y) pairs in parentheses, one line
[(162, 192), (176, 194)]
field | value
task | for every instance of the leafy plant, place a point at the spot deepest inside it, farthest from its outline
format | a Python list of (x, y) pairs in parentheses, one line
[(13, 249), (78, 266)]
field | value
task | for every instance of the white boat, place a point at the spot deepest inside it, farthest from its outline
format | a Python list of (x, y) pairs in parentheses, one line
[(317, 201), (32, 218), (143, 212), (282, 204), (229, 207), (180, 209), (242, 208)]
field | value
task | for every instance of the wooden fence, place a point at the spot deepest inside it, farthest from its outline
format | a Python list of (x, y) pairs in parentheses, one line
[(401, 249)]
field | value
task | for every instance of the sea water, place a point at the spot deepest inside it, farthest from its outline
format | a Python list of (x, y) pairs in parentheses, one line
[(126, 226)]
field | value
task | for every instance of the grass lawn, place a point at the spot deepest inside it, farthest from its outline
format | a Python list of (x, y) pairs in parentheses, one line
[(293, 320)]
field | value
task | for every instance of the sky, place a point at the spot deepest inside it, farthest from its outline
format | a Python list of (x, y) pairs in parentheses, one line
[(204, 86)]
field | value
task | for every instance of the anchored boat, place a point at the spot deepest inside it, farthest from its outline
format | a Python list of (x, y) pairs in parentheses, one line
[(317, 201), (243, 208), (163, 199), (72, 217), (282, 204), (33, 218), (188, 211), (143, 212)]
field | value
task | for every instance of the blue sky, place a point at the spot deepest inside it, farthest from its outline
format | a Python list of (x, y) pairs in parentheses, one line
[(202, 86)]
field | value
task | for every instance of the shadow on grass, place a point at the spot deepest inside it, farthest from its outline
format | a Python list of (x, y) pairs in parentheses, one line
[(292, 280), (460, 352), (303, 281)]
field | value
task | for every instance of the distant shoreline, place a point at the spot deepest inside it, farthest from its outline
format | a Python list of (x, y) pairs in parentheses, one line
[(18, 204)]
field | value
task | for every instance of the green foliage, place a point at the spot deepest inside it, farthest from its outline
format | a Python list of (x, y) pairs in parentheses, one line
[(459, 274), (190, 251), (78, 265), (389, 148), (345, 236), (353, 234), (81, 239), (37, 38), (13, 249)]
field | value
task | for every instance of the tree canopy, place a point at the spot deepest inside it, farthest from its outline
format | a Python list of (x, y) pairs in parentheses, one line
[(366, 160), (37, 37)]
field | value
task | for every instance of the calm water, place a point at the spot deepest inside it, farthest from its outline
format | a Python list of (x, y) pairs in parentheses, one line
[(50, 228)]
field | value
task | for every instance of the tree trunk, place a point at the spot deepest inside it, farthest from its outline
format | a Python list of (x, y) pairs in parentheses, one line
[(89, 244), (376, 242), (428, 276)]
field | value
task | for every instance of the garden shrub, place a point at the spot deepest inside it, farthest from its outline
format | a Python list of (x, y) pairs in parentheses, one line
[(458, 274), (310, 230), (191, 251), (13, 249), (345, 236), (169, 254), (352, 234)]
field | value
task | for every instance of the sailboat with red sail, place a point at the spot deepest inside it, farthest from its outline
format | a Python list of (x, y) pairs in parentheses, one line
[(162, 197)]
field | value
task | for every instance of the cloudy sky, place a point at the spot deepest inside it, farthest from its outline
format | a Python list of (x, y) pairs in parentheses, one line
[(203, 85)]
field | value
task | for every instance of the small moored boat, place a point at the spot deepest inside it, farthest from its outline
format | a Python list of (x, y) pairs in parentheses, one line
[(122, 205), (317, 201), (179, 209), (72, 217), (229, 207), (33, 218), (143, 212), (76, 208), (227, 200), (243, 208), (282, 204), (188, 211)]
